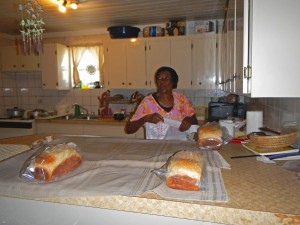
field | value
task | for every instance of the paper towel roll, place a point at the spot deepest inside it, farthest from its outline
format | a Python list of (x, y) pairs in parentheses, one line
[(254, 120)]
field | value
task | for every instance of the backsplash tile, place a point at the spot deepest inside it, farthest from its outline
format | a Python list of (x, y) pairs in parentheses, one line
[(277, 111), (25, 91)]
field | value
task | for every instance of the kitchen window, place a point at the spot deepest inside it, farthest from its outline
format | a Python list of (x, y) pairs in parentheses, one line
[(87, 64)]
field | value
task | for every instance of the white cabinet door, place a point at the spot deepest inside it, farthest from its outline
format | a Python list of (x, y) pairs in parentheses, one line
[(55, 67), (272, 50), (125, 64), (157, 54), (9, 59), (115, 64), (136, 77), (30, 63), (12, 60), (181, 61), (204, 61)]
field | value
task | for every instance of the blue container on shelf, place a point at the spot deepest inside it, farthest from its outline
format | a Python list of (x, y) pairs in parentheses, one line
[(116, 32)]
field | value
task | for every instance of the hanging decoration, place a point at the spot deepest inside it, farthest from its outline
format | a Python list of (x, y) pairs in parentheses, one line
[(31, 26)]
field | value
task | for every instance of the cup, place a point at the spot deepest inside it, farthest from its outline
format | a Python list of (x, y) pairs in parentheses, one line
[(254, 120)]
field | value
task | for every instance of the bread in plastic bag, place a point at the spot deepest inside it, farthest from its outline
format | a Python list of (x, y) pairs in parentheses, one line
[(211, 136), (51, 162), (183, 171)]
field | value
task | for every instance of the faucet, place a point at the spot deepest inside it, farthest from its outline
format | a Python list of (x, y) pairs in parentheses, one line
[(78, 107)]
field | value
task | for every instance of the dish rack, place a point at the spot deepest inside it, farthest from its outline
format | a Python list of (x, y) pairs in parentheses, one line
[(274, 141)]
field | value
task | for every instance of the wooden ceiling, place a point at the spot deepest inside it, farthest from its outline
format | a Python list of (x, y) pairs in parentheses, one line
[(100, 14)]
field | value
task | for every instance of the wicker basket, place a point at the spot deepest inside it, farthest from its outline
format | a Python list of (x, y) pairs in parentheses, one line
[(276, 141)]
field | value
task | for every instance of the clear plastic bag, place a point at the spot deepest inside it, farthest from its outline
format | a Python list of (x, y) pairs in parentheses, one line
[(52, 161), (211, 136), (183, 171)]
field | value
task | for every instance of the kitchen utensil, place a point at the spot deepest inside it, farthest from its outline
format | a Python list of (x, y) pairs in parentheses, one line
[(123, 32), (267, 129), (15, 112), (37, 113)]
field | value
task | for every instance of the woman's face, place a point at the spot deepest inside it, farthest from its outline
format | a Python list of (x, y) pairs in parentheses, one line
[(164, 82)]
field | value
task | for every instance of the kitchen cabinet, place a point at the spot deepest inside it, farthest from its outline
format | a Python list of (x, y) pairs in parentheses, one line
[(125, 64), (181, 60), (227, 45), (55, 67), (157, 54), (204, 61), (268, 50), (132, 65), (136, 64), (12, 60), (115, 64)]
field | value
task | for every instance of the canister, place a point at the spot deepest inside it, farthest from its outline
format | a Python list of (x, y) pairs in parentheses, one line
[(229, 125)]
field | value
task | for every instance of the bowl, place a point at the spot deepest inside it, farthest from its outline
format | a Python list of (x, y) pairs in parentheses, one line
[(123, 32), (119, 116)]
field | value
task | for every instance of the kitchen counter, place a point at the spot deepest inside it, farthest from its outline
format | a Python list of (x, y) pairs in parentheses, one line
[(258, 194)]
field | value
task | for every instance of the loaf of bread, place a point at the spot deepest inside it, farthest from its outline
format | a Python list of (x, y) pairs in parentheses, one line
[(209, 136), (55, 162), (184, 171)]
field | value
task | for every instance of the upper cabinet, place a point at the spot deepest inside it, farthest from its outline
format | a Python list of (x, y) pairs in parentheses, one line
[(12, 60), (158, 54), (125, 63), (181, 61), (204, 61), (55, 67), (266, 53), (132, 64)]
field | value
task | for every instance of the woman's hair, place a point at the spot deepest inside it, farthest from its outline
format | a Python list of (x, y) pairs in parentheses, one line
[(171, 71)]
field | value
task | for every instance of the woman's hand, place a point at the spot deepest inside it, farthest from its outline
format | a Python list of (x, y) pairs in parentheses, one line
[(187, 122), (154, 118)]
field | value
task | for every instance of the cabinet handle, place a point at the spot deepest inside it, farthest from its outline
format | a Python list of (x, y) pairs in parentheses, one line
[(14, 66), (226, 81), (123, 83), (22, 65), (129, 83), (44, 84), (145, 83), (200, 83)]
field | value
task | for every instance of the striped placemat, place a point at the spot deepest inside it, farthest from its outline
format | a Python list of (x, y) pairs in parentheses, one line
[(9, 150)]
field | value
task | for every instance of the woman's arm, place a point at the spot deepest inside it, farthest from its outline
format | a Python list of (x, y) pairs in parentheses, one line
[(133, 126), (187, 122)]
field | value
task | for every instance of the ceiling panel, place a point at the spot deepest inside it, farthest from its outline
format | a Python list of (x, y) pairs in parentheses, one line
[(95, 14)]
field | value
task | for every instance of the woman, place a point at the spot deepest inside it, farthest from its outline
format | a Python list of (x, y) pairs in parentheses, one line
[(161, 105)]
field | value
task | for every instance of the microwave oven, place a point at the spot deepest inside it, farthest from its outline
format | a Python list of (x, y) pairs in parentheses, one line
[(223, 110)]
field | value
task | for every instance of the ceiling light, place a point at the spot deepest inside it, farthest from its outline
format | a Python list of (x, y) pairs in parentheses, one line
[(62, 8), (74, 5), (62, 5)]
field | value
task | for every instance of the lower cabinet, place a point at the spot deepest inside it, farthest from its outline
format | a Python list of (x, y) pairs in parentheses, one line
[(85, 129)]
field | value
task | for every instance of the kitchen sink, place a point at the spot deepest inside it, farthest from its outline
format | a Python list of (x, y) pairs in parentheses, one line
[(80, 117)]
